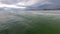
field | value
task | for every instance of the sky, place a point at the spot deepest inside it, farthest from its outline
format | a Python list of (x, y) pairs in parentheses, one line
[(21, 3), (31, 3)]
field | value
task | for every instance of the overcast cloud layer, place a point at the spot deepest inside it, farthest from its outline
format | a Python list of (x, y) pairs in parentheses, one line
[(32, 3)]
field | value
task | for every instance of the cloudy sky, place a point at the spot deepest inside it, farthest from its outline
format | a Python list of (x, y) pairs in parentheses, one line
[(21, 2), (33, 3)]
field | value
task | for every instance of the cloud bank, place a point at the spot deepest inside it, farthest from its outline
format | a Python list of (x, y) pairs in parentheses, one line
[(24, 2), (52, 4)]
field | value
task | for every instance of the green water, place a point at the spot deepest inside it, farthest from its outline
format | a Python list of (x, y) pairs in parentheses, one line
[(33, 24)]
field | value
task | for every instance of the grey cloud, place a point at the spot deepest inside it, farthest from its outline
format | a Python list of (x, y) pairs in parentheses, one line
[(9, 1), (43, 5)]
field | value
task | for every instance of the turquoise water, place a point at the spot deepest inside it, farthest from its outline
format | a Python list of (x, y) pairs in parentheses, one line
[(32, 24)]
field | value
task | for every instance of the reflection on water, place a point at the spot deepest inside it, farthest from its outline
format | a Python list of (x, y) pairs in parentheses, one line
[(29, 22)]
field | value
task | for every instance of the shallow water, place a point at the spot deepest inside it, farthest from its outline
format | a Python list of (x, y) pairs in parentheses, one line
[(29, 22)]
